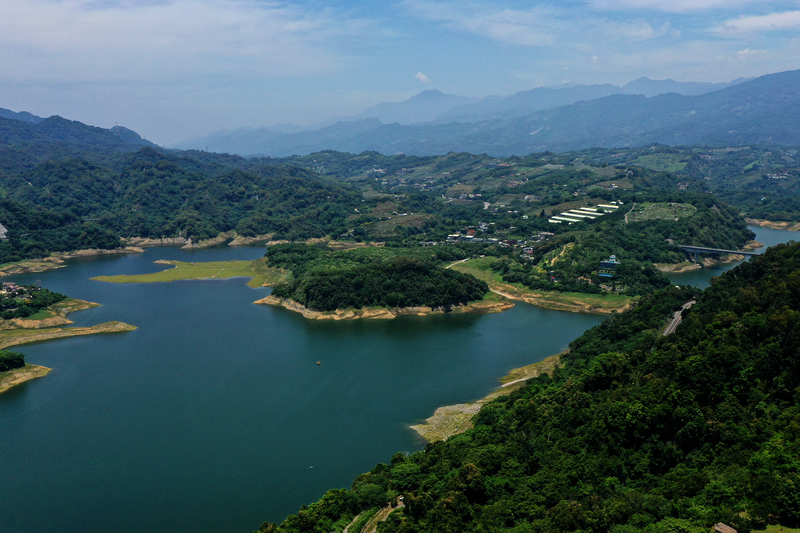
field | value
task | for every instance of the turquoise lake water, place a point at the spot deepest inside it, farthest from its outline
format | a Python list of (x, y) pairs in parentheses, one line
[(213, 416), (767, 237)]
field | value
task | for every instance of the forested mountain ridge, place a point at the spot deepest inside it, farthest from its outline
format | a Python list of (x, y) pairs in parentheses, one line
[(636, 432), (761, 110), (55, 136), (24, 116), (149, 193), (154, 193), (96, 186)]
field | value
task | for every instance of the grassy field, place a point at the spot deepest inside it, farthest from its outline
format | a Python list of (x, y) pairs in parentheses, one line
[(20, 375), (257, 270), (15, 337), (660, 211), (479, 267), (42, 314), (386, 228), (561, 301), (662, 162), (621, 183), (777, 529)]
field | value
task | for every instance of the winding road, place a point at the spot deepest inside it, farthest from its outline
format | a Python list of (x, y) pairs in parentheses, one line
[(677, 317)]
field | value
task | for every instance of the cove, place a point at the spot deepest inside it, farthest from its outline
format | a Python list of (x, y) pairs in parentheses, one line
[(702, 277), (213, 416)]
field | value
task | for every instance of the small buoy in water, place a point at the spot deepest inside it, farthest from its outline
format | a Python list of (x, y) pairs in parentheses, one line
[(319, 363)]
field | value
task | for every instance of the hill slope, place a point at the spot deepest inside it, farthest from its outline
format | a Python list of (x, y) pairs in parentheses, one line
[(637, 432)]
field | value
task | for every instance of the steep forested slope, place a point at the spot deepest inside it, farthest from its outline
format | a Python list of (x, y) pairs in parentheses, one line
[(637, 432), (128, 186)]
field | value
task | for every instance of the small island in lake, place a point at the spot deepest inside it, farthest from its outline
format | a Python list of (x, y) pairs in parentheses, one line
[(29, 313), (374, 283)]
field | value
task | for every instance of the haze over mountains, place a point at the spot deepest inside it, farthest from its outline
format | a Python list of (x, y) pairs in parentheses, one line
[(762, 110), (40, 139), (428, 108)]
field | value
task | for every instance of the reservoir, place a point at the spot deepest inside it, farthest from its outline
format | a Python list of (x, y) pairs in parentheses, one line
[(702, 277), (214, 416)]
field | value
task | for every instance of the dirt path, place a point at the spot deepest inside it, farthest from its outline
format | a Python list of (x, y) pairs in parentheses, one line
[(379, 517), (505, 295), (382, 515), (457, 262), (347, 529), (629, 212), (560, 254)]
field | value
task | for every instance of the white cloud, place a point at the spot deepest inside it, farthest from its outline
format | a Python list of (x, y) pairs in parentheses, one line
[(670, 6), (789, 20), (636, 30), (166, 40), (534, 27), (422, 77), (541, 26)]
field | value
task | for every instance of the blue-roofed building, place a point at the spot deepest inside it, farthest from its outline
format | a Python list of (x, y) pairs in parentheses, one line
[(608, 267)]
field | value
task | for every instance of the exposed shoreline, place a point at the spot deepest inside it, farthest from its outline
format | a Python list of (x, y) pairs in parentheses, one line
[(559, 301), (19, 331), (788, 226), (19, 376), (483, 306), (551, 300), (707, 262), (16, 337), (454, 419), (57, 260)]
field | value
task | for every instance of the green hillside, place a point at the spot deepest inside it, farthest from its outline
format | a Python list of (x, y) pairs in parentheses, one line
[(636, 432)]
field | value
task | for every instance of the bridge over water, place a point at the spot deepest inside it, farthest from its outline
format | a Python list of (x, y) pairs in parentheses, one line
[(695, 251)]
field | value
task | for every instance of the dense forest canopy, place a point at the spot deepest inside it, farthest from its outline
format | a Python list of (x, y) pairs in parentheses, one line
[(10, 360), (636, 432), (103, 185), (326, 281)]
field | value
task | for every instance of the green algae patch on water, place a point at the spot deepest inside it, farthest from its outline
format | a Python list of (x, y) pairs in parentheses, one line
[(261, 275)]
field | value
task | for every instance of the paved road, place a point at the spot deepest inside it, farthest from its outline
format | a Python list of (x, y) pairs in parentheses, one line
[(676, 318)]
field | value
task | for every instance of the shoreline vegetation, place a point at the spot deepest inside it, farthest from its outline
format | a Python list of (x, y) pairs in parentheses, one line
[(452, 420), (19, 331), (137, 245), (487, 305), (18, 376), (261, 275), (57, 260), (573, 302)]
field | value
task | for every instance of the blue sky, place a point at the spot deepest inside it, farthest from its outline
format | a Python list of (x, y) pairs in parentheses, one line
[(171, 69)]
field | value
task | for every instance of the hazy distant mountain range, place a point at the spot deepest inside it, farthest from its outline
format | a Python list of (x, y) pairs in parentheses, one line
[(760, 110), (433, 122)]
